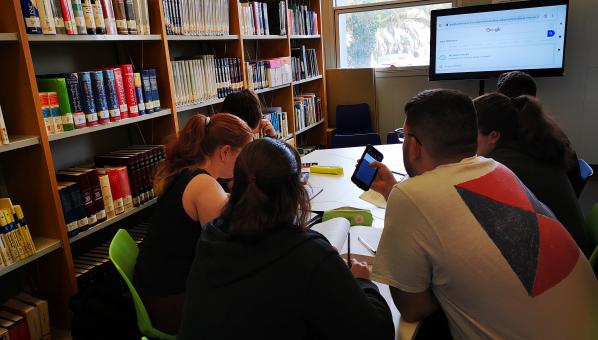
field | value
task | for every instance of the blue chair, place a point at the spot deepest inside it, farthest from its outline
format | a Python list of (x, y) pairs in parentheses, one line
[(393, 137), (362, 139), (352, 119)]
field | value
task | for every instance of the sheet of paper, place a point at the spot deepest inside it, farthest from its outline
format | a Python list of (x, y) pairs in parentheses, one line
[(374, 197), (335, 230)]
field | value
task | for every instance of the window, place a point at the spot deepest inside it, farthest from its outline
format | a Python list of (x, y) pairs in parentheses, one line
[(375, 33)]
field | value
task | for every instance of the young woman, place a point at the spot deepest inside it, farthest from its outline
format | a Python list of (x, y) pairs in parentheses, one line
[(260, 274), (517, 133), (189, 197), (246, 105)]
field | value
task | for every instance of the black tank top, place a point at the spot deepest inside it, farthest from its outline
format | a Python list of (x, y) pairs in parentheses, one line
[(166, 254)]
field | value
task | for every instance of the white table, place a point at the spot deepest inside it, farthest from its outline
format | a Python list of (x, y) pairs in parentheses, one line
[(339, 191)]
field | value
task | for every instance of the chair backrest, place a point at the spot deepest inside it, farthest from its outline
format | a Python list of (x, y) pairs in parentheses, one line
[(392, 138), (351, 119), (363, 139), (585, 169), (123, 254)]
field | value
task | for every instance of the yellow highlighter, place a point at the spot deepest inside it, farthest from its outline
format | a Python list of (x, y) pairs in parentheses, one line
[(329, 170)]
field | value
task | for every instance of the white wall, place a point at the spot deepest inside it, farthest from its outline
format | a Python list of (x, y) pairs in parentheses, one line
[(572, 99)]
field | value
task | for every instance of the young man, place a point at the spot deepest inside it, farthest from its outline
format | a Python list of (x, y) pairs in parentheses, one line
[(465, 235)]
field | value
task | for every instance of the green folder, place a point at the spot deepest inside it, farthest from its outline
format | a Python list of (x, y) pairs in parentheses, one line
[(58, 85), (354, 215)]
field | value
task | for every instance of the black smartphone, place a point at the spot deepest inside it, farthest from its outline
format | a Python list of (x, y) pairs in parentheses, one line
[(364, 175)]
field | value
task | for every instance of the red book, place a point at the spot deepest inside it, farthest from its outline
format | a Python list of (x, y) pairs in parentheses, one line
[(15, 324), (68, 17), (120, 93), (129, 84), (125, 187), (115, 188)]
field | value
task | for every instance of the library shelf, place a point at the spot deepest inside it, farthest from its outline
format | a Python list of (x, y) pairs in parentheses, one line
[(201, 37), (92, 37), (113, 220), (307, 80), (43, 246), (309, 127), (19, 141), (122, 122)]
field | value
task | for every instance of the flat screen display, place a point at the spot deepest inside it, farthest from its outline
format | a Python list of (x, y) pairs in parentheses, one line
[(484, 41)]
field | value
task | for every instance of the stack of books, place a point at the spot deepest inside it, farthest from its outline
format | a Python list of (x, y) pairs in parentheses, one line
[(205, 78), (78, 100), (308, 110), (24, 317), (302, 21), (304, 63), (122, 180), (16, 243), (268, 73), (86, 16), (263, 18), (3, 132), (279, 121), (196, 17)]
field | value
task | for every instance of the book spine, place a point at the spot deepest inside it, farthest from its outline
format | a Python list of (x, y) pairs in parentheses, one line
[(98, 16), (58, 19), (5, 244), (120, 93), (46, 113), (68, 16), (106, 195), (109, 19), (3, 133), (55, 111), (96, 194), (139, 94), (117, 194), (90, 22), (80, 213), (155, 93), (46, 17), (31, 16), (15, 237), (87, 98), (79, 16), (129, 85), (121, 17), (72, 88), (97, 81), (130, 15), (146, 20), (147, 91), (24, 229), (138, 11), (111, 96)]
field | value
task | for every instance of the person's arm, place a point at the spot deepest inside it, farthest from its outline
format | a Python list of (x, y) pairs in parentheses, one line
[(267, 129), (338, 306), (414, 307), (204, 198), (384, 180)]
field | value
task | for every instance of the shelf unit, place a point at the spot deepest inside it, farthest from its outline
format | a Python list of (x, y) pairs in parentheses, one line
[(33, 183)]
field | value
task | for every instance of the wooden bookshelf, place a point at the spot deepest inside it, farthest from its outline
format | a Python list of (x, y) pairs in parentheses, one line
[(33, 183)]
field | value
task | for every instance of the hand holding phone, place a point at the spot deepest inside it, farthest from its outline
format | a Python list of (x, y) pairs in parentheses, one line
[(364, 175)]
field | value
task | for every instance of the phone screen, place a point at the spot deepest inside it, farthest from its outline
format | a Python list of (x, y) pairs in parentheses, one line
[(365, 173)]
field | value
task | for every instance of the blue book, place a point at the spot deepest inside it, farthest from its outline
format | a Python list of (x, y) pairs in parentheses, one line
[(155, 94), (111, 96), (87, 98), (147, 91), (97, 81), (73, 90), (31, 16), (139, 93)]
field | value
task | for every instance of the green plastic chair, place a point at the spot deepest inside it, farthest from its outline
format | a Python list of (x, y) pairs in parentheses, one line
[(592, 225), (594, 258), (123, 254)]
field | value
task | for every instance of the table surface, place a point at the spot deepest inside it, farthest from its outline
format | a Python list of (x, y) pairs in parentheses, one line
[(339, 191)]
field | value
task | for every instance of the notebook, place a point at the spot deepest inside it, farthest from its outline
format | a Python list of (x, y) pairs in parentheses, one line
[(336, 231)]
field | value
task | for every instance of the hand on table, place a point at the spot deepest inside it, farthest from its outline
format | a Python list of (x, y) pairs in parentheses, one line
[(360, 270)]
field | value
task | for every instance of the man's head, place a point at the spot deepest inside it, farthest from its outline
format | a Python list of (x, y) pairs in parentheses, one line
[(515, 84), (441, 128)]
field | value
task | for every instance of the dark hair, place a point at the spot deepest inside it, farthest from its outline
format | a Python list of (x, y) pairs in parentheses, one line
[(515, 84), (445, 123), (267, 192), (198, 139), (497, 113), (245, 105), (540, 135)]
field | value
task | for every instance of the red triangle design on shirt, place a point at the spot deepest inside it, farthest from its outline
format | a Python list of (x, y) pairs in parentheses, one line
[(557, 255), (502, 186)]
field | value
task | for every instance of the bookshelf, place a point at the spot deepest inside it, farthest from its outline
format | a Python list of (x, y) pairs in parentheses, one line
[(50, 272)]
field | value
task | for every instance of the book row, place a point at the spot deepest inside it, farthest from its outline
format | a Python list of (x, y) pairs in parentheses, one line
[(84, 99), (3, 132), (24, 317), (308, 110), (279, 121), (302, 21), (263, 18), (122, 180), (16, 243), (304, 62), (205, 78), (268, 73), (196, 17), (86, 16)]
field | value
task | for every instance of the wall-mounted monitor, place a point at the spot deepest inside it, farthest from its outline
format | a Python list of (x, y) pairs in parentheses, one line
[(482, 42)]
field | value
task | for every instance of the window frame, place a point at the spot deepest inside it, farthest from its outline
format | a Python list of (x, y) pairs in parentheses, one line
[(392, 4)]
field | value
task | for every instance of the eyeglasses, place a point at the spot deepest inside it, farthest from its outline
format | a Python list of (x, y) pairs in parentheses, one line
[(400, 132)]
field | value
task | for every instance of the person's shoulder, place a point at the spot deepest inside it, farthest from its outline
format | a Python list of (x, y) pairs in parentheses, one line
[(202, 184)]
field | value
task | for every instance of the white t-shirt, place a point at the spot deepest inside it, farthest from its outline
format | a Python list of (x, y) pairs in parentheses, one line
[(499, 263)]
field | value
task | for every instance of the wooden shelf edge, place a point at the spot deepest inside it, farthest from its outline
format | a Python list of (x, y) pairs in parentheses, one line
[(184, 108), (126, 121), (201, 37), (4, 37), (43, 245), (316, 36), (111, 221), (268, 89), (265, 37), (18, 142), (309, 127), (91, 37), (302, 81)]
